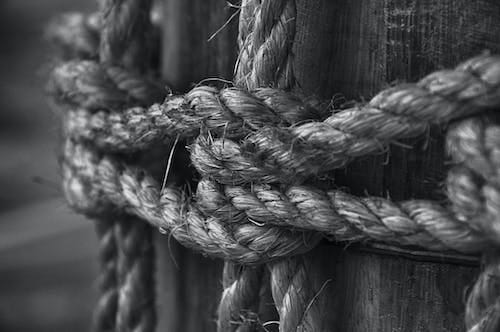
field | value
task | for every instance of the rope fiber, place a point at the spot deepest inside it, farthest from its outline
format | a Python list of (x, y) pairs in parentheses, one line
[(255, 148)]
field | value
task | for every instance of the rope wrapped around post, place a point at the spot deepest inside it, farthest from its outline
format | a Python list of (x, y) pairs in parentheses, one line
[(126, 250), (255, 151)]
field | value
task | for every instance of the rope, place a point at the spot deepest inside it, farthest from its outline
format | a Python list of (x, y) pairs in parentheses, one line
[(230, 112), (126, 283), (75, 35), (136, 299), (413, 222), (127, 255), (482, 311), (238, 213), (273, 153), (249, 72), (239, 307), (299, 296), (106, 308), (266, 34), (92, 182), (290, 154)]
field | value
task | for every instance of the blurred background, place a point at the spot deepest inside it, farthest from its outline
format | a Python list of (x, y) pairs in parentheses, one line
[(48, 255)]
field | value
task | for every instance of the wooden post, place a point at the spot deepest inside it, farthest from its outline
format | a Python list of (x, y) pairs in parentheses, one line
[(190, 285), (353, 47), (356, 48)]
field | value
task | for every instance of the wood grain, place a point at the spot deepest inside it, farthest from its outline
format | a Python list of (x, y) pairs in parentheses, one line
[(353, 48), (190, 285), (356, 48)]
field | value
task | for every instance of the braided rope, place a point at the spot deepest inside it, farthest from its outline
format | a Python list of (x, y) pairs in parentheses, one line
[(136, 299), (273, 153), (92, 182), (282, 154), (249, 72), (266, 34), (483, 304), (106, 308), (126, 33), (417, 223), (127, 255), (230, 112), (293, 217), (299, 296), (76, 35), (240, 302)]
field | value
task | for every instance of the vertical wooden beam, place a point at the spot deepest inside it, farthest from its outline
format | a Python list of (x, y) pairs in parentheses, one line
[(353, 47), (357, 47), (188, 56), (189, 284)]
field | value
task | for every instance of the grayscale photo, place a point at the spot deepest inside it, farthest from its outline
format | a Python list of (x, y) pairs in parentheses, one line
[(250, 166)]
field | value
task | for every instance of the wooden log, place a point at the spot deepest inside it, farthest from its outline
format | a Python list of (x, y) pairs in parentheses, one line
[(353, 47), (190, 285), (357, 47)]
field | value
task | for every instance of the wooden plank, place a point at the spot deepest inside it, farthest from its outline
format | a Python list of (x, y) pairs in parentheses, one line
[(356, 47), (190, 285)]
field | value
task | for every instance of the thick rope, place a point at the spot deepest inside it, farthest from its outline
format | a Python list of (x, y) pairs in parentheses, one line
[(126, 283), (136, 297), (475, 193), (482, 312), (93, 182), (290, 154), (126, 34), (257, 29), (300, 151), (76, 35), (241, 299), (300, 296), (125, 24), (421, 223), (229, 113), (127, 300), (273, 153), (266, 34), (106, 308)]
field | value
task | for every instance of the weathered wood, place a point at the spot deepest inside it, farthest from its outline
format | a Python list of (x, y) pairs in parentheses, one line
[(356, 47), (190, 285), (353, 47), (188, 56)]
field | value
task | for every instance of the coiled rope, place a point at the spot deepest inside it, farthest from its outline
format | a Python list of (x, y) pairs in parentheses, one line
[(256, 149)]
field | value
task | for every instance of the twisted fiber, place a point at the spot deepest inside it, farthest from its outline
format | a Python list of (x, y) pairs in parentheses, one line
[(410, 239), (229, 112), (282, 154), (126, 33), (474, 185), (475, 193), (271, 65), (239, 305), (237, 298), (482, 313), (343, 217), (106, 307), (298, 297), (266, 34), (122, 45), (93, 182), (89, 85), (136, 301), (447, 233), (75, 35)]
